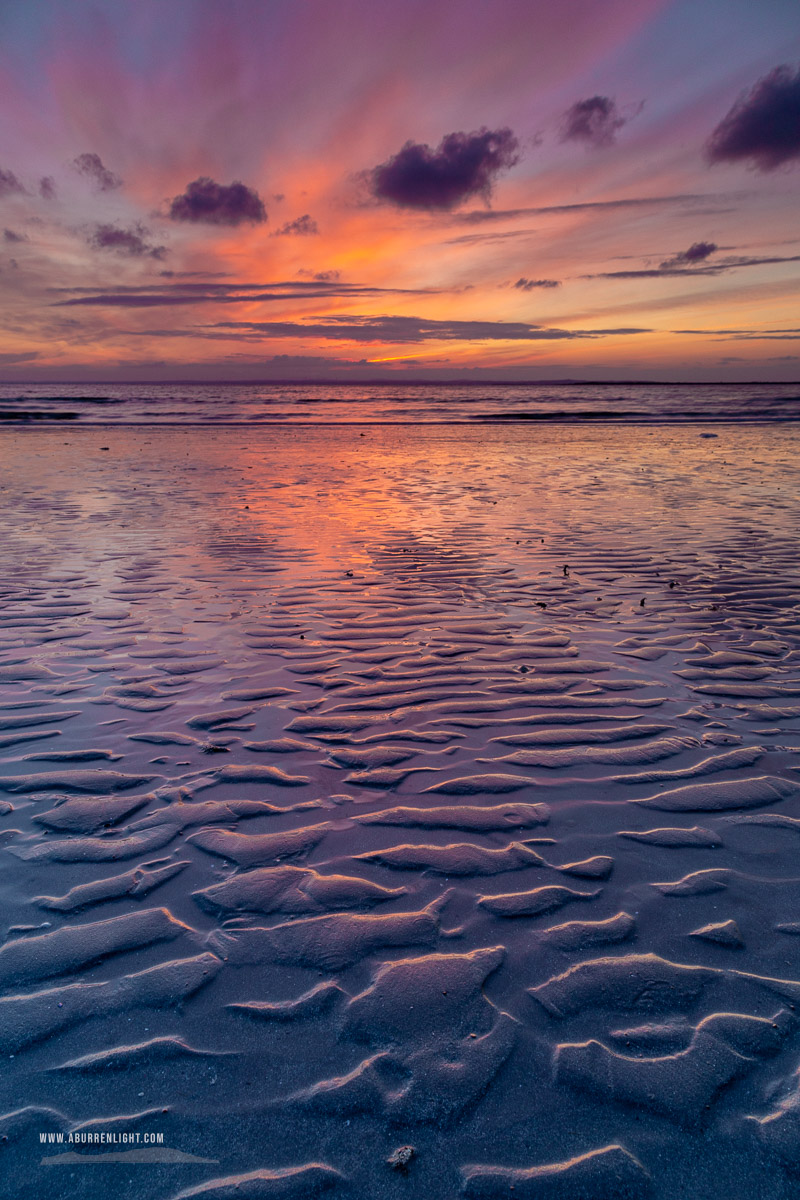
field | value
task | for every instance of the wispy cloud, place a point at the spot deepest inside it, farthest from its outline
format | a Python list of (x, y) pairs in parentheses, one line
[(154, 296), (748, 335), (304, 226), (477, 216), (528, 285), (9, 184), (720, 267), (91, 166), (401, 329), (132, 242), (470, 239)]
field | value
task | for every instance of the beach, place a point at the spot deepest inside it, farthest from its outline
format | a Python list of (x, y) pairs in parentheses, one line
[(377, 786)]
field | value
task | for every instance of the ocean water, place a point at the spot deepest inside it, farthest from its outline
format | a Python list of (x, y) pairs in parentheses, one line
[(407, 403)]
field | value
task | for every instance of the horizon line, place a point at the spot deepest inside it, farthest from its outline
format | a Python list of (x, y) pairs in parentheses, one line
[(383, 382)]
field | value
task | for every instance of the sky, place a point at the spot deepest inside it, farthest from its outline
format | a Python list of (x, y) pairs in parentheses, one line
[(416, 189)]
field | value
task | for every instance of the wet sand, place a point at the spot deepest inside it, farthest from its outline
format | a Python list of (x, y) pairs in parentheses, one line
[(373, 788)]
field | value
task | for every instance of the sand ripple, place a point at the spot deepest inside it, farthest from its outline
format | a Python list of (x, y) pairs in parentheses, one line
[(444, 799)]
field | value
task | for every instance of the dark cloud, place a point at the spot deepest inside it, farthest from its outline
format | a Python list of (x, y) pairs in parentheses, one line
[(10, 235), (127, 241), (697, 252), (398, 330), (527, 285), (210, 203), (763, 127), (221, 288), (121, 299), (719, 267), (47, 187), (155, 295), (92, 168), (18, 356), (461, 166), (594, 121), (305, 361), (655, 273), (300, 227), (9, 184), (193, 275)]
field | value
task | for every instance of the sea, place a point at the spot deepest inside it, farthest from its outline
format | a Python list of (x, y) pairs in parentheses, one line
[(393, 403)]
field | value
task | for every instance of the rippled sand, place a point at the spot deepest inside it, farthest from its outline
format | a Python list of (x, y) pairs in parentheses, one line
[(375, 788)]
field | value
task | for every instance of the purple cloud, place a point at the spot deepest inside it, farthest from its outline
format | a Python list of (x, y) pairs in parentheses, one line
[(301, 227), (403, 329), (527, 285), (763, 125), (126, 241), (594, 121), (10, 235), (698, 252), (462, 165), (718, 267), (9, 184), (655, 273), (322, 276), (47, 187), (210, 203), (92, 168), (152, 295)]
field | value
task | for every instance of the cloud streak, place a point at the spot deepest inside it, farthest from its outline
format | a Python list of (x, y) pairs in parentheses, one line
[(720, 267), (149, 296), (528, 285), (478, 216), (401, 330)]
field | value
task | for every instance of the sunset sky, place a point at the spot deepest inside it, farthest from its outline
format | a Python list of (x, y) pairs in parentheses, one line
[(336, 189)]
